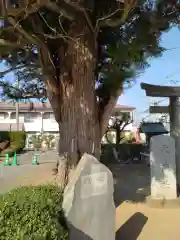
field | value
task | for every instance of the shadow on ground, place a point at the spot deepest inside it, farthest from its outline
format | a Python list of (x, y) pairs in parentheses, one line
[(131, 182), (132, 228)]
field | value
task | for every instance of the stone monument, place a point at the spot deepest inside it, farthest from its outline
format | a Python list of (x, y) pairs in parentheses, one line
[(163, 168), (88, 201), (173, 93)]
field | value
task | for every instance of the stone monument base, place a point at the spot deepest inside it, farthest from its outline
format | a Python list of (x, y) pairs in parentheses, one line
[(163, 203)]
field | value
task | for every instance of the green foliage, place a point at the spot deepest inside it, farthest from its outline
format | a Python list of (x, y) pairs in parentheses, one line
[(119, 121), (125, 151), (123, 48), (17, 136), (17, 142), (110, 137), (32, 213), (130, 138), (36, 141), (49, 141)]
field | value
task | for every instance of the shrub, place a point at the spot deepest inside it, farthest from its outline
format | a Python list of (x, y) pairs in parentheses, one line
[(49, 141), (4, 135), (32, 213), (17, 142), (41, 139), (127, 138), (125, 152), (36, 141), (17, 136)]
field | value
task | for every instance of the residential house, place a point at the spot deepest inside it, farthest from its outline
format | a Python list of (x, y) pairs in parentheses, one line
[(38, 117), (130, 111), (117, 111)]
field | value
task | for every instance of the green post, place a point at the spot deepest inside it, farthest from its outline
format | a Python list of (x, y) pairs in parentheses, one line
[(15, 160), (7, 163), (35, 161)]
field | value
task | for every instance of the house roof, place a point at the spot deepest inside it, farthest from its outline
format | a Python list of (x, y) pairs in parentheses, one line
[(156, 127), (46, 107), (25, 107), (11, 127), (123, 107)]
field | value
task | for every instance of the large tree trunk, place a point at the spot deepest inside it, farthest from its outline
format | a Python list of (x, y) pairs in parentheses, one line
[(71, 92), (78, 117)]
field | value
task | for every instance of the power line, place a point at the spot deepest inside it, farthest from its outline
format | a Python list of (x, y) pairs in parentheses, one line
[(148, 108), (173, 48), (177, 71), (162, 100), (172, 74)]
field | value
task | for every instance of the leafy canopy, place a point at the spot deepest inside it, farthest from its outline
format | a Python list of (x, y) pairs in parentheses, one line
[(127, 34)]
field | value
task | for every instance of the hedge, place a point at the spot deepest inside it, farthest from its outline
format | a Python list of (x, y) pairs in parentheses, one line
[(33, 212), (126, 151), (17, 142)]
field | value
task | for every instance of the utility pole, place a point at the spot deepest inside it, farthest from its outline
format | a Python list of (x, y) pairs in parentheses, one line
[(17, 115), (17, 105)]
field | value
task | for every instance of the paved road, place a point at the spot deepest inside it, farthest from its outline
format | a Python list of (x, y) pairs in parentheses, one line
[(43, 157), (26, 173)]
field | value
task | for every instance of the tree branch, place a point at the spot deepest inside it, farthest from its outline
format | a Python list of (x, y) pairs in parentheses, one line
[(66, 38), (27, 36), (119, 125), (21, 93), (7, 43), (27, 95), (107, 111), (2, 74), (126, 123), (83, 10), (31, 39), (106, 135), (101, 20), (109, 20), (25, 10), (63, 8), (69, 10)]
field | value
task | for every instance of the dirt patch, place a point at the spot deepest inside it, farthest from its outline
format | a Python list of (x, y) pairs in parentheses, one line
[(131, 182), (136, 220)]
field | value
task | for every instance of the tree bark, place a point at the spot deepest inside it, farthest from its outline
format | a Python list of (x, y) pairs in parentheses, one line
[(78, 116), (107, 111), (71, 91)]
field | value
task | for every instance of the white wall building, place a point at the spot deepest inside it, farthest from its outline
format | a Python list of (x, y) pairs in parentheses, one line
[(38, 117), (128, 110)]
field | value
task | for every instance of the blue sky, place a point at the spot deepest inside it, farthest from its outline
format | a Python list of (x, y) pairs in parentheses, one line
[(161, 71)]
